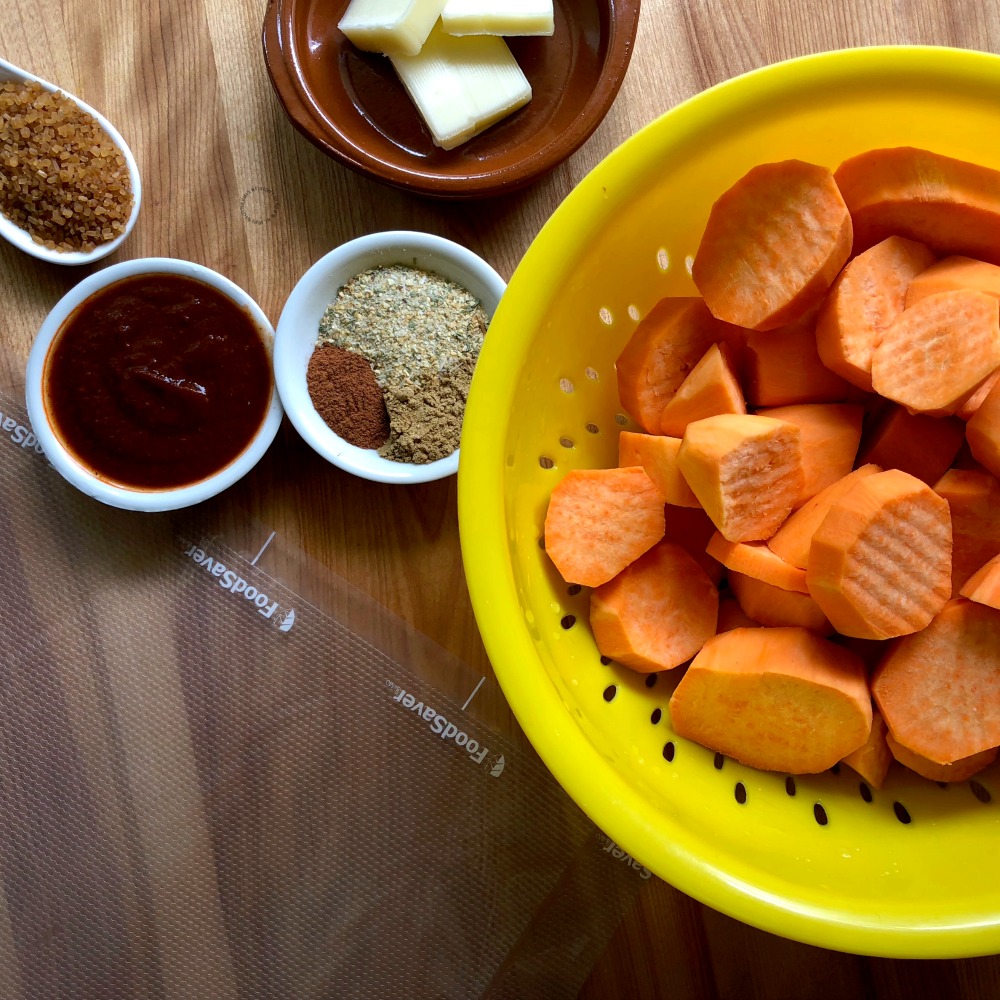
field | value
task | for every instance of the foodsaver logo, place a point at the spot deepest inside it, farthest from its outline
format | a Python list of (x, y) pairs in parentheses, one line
[(610, 847), (232, 582), (447, 730), (20, 434)]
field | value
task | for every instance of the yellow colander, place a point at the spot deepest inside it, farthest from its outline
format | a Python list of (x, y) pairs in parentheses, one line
[(912, 869)]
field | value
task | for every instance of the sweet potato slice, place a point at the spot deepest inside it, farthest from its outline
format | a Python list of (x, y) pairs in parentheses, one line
[(973, 497), (600, 520), (657, 454), (869, 293), (746, 471), (939, 689), (872, 761), (711, 387), (781, 699), (657, 613), (773, 244), (880, 561), (663, 348), (972, 404), (831, 433), (773, 606), (731, 616), (983, 432), (950, 205), (937, 352), (792, 540), (784, 367), (983, 586), (918, 444), (953, 273), (957, 770), (757, 560)]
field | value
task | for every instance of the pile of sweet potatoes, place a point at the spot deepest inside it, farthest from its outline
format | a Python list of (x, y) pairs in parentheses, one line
[(807, 521)]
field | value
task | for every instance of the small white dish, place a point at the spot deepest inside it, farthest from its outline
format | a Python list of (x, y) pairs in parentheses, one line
[(298, 329), (80, 475), (20, 237)]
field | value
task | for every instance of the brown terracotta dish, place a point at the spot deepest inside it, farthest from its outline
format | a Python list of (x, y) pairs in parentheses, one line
[(352, 106)]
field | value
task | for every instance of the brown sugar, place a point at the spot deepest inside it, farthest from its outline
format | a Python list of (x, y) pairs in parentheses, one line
[(347, 396), (62, 177)]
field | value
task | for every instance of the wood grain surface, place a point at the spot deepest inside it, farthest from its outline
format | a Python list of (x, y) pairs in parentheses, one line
[(230, 184)]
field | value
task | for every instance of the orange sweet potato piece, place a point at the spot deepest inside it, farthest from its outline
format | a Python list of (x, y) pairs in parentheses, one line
[(773, 606), (953, 273), (711, 387), (950, 205), (937, 353), (691, 528), (973, 498), (773, 244), (983, 586), (600, 520), (869, 293), (781, 699), (792, 540), (657, 613), (663, 348), (784, 367), (880, 561), (957, 770), (918, 444), (831, 433), (972, 404), (746, 471), (757, 560), (872, 760), (657, 454), (731, 616), (939, 689), (983, 432)]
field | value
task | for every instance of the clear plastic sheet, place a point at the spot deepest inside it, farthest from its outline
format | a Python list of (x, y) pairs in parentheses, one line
[(227, 773)]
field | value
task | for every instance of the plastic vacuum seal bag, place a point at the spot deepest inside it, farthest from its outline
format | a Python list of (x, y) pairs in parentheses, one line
[(226, 773)]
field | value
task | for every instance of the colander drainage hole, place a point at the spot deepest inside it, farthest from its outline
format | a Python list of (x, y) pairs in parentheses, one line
[(979, 791), (656, 716), (789, 785), (820, 814), (741, 793), (573, 589), (545, 462), (606, 660), (651, 680), (610, 691), (592, 428), (567, 621), (719, 761), (866, 792), (835, 769), (668, 752), (901, 814)]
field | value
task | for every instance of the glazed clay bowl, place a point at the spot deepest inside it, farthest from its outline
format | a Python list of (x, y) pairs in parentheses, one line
[(352, 106)]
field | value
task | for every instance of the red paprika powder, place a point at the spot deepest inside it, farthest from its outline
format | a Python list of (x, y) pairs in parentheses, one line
[(347, 396)]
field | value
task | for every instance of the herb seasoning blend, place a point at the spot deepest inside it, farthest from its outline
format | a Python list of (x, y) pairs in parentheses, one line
[(422, 334)]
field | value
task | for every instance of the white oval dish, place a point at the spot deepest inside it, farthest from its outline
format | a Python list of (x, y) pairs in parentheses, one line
[(20, 237), (78, 474), (298, 328)]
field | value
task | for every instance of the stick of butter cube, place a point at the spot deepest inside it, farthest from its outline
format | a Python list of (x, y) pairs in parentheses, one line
[(462, 85), (498, 17), (390, 26)]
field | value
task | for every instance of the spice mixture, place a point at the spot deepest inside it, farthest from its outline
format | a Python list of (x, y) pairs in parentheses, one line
[(421, 334), (62, 178)]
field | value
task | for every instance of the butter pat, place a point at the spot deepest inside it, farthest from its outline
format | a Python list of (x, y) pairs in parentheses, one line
[(498, 17), (461, 86), (390, 26)]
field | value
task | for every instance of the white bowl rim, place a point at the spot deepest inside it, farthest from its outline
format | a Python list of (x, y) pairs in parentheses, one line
[(77, 473), (20, 238), (350, 258)]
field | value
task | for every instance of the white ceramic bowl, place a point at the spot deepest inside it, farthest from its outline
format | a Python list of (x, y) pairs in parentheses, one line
[(78, 474), (298, 328), (20, 237)]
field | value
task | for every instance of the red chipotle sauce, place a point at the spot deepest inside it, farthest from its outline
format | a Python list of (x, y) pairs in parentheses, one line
[(157, 381)]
